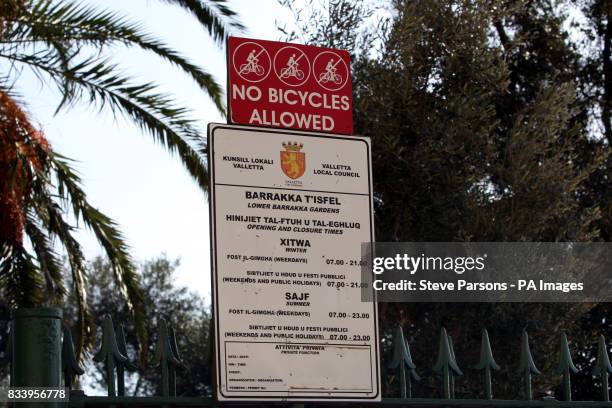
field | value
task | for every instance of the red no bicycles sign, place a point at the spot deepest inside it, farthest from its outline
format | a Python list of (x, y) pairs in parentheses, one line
[(285, 85)]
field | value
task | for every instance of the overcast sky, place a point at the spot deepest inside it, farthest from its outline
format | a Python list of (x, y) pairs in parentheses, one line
[(125, 174)]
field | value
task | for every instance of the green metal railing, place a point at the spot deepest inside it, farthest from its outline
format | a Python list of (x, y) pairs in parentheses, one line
[(113, 356)]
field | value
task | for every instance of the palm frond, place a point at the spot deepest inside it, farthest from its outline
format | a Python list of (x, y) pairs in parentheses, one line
[(49, 36), (51, 216), (100, 85), (19, 276), (48, 260), (214, 15), (46, 220), (111, 239), (70, 26)]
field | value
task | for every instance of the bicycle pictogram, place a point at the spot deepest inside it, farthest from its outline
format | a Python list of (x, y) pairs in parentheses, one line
[(330, 70), (291, 65), (292, 69), (330, 74), (252, 64)]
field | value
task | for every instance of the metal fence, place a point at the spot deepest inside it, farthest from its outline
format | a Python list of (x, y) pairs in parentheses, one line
[(112, 354)]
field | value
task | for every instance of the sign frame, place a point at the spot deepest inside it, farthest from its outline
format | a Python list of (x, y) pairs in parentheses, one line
[(218, 366), (345, 59)]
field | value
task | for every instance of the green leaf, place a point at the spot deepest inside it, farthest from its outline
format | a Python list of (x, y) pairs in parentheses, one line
[(214, 15), (69, 26)]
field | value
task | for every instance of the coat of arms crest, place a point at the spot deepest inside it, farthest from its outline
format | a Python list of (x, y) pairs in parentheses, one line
[(293, 161)]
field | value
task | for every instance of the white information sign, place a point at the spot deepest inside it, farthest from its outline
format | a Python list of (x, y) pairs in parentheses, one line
[(289, 213)]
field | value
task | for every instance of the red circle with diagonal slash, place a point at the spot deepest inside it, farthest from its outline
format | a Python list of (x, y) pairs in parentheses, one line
[(251, 62), (330, 71), (295, 74)]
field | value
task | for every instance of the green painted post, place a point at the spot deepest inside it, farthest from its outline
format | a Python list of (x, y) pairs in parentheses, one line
[(446, 386), (527, 385), (120, 380), (36, 337), (451, 378), (403, 388), (603, 368), (177, 357), (6, 359), (527, 366), (120, 337), (566, 367), (210, 353), (567, 386)]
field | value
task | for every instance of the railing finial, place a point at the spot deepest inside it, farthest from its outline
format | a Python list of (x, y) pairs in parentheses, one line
[(602, 367), (486, 363), (70, 365), (122, 365), (164, 356), (446, 365), (566, 367), (109, 353), (403, 359)]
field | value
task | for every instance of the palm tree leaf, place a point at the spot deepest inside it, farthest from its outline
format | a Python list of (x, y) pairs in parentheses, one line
[(50, 266), (19, 277), (50, 215), (18, 36), (109, 237), (47, 213), (155, 113), (214, 15), (68, 25)]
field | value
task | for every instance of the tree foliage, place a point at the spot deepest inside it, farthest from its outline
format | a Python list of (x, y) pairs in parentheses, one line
[(185, 311), (67, 45), (481, 128)]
